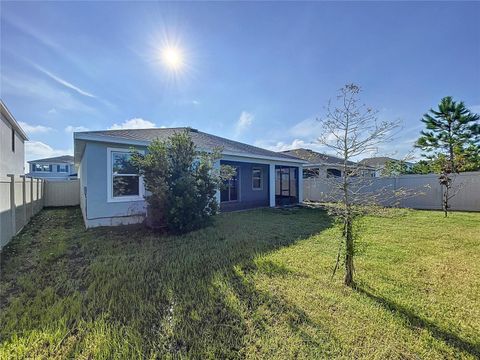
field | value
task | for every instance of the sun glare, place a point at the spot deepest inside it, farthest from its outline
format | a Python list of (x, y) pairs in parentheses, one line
[(172, 58)]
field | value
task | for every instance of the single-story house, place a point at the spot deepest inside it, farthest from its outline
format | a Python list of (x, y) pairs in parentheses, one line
[(379, 164), (54, 168), (12, 144), (318, 165), (113, 194)]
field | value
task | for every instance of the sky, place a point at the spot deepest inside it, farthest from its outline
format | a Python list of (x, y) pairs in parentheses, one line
[(260, 73)]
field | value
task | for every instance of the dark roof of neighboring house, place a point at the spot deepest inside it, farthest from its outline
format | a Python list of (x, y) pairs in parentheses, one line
[(55, 160), (202, 140), (313, 157), (9, 117), (379, 161)]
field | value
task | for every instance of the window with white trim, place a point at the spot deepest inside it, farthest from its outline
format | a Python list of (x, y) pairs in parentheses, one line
[(125, 181), (257, 179), (62, 168)]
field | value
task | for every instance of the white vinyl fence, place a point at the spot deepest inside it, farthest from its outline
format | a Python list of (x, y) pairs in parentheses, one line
[(20, 198), (62, 193), (427, 191)]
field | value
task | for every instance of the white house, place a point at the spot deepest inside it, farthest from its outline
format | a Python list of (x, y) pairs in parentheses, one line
[(55, 168), (12, 144)]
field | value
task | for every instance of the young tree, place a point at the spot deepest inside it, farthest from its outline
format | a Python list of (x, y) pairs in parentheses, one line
[(181, 183), (451, 139), (395, 168), (351, 129)]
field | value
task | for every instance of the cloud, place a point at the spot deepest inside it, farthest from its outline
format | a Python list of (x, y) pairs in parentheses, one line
[(135, 123), (294, 144), (64, 82), (309, 128), (243, 123), (52, 111), (35, 150), (72, 129), (17, 84), (34, 129)]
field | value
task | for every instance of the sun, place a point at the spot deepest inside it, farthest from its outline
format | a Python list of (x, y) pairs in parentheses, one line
[(172, 58)]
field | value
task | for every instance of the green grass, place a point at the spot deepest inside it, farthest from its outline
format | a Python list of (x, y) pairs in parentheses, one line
[(256, 284)]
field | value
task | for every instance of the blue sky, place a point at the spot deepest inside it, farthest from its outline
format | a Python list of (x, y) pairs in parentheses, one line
[(256, 72)]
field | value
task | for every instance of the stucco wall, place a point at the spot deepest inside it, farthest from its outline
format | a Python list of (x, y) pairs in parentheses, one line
[(97, 209), (54, 174), (248, 198), (10, 162)]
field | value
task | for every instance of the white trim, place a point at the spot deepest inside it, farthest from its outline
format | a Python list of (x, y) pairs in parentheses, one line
[(254, 168), (141, 185), (271, 186)]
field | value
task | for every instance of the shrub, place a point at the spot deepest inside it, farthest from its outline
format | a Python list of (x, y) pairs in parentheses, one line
[(181, 183)]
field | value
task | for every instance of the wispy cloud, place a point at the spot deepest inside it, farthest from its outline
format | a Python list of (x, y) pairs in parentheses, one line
[(34, 129), (71, 129), (64, 82), (135, 123), (243, 123), (36, 89)]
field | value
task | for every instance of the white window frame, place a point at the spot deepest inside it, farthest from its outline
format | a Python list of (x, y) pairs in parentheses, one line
[(59, 168), (261, 178), (141, 186)]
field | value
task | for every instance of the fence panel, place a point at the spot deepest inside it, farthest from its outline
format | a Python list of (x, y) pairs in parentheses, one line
[(20, 199), (62, 193), (427, 191)]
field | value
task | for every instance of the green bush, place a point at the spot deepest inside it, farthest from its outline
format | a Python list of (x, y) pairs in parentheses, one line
[(181, 183)]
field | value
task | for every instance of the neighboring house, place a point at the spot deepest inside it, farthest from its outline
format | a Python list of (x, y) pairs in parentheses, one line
[(112, 193), (12, 144), (55, 168), (379, 163), (320, 165)]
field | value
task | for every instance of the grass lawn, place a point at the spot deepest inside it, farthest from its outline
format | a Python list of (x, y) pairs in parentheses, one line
[(257, 284)]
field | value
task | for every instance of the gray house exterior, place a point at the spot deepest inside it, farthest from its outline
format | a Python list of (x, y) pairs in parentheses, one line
[(12, 144), (111, 194), (54, 168)]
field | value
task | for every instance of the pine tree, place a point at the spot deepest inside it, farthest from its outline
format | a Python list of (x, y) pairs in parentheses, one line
[(452, 135)]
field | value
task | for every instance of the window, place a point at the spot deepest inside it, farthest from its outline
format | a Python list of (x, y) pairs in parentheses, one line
[(333, 173), (13, 139), (62, 168), (311, 173), (42, 167), (257, 179), (123, 181), (230, 188)]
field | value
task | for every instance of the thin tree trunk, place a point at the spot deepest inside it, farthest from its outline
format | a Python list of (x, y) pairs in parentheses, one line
[(349, 252)]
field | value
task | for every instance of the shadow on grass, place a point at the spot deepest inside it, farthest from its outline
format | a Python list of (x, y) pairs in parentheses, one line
[(178, 296), (415, 321)]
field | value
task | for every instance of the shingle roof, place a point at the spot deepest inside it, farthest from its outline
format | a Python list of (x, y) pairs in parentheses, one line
[(55, 160), (313, 157), (377, 161), (202, 140)]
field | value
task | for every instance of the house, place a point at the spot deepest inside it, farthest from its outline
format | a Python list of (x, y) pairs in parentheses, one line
[(54, 168), (320, 165), (111, 193), (379, 163), (12, 144)]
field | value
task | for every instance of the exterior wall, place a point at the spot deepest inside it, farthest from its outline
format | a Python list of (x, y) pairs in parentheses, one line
[(10, 162), (54, 174), (248, 197), (97, 211)]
